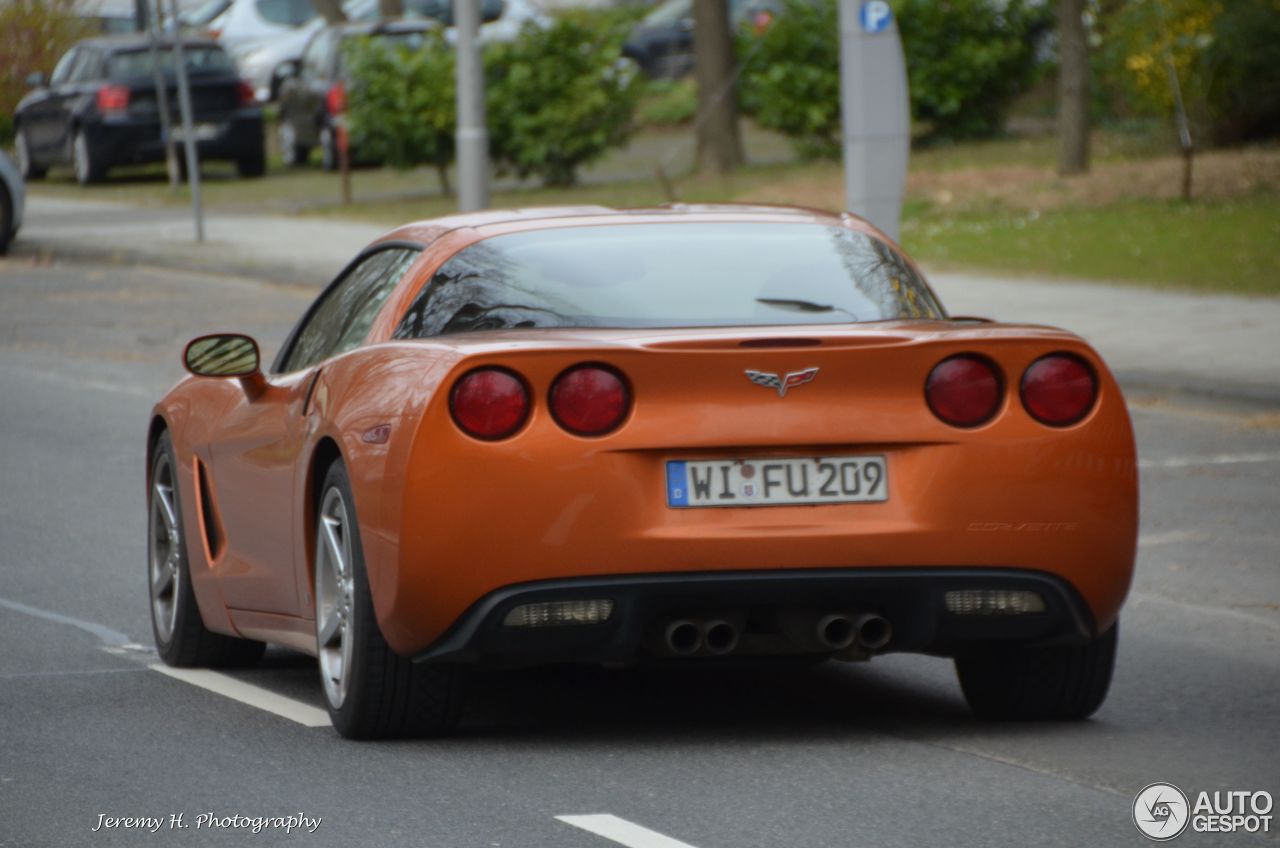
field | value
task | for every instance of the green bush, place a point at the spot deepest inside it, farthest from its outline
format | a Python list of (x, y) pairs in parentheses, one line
[(966, 61), (33, 36), (668, 103), (791, 79), (559, 97), (1243, 68), (402, 105)]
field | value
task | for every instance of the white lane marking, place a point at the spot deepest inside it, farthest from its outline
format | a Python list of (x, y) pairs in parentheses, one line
[(108, 637), (622, 831), (247, 693), (1217, 459)]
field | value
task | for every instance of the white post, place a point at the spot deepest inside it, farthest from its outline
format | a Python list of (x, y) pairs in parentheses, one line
[(188, 128), (876, 112), (472, 137)]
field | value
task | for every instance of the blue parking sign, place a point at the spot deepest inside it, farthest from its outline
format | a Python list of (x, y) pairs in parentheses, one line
[(875, 16)]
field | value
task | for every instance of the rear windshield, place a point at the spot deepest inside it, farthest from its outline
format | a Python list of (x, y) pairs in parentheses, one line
[(669, 275), (201, 60)]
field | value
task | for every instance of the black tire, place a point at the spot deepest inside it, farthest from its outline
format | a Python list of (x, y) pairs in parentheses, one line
[(1040, 683), (88, 165), (189, 643), (386, 695), (26, 164), (6, 219), (252, 166)]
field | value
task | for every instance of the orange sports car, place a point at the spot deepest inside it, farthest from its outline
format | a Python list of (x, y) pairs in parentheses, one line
[(605, 436)]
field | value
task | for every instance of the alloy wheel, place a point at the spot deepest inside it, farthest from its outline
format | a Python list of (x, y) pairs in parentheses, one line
[(335, 593), (80, 158), (165, 550)]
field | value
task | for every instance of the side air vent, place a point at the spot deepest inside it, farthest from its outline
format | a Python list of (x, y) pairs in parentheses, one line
[(210, 526)]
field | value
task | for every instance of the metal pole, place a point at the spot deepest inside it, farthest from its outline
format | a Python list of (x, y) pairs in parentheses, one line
[(162, 98), (188, 128), (876, 112), (472, 137)]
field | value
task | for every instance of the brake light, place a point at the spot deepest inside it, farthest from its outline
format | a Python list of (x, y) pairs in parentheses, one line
[(335, 99), (113, 98), (964, 390), (489, 403), (1059, 389), (590, 400), (244, 93)]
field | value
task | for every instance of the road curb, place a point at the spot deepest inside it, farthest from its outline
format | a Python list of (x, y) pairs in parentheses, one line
[(280, 273)]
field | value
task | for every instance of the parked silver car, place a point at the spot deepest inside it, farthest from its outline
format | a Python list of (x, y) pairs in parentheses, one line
[(13, 198)]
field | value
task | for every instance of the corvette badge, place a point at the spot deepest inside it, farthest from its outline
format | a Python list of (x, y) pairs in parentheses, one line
[(784, 381)]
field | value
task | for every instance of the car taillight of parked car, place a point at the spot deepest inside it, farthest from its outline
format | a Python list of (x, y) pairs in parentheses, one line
[(113, 98), (244, 93), (335, 99)]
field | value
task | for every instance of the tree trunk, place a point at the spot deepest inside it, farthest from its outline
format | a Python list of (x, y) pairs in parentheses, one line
[(330, 10), (719, 142), (391, 8), (1073, 89)]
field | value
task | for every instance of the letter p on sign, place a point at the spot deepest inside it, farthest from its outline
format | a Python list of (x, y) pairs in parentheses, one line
[(875, 16)]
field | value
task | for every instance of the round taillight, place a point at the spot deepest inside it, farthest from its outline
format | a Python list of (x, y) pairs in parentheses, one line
[(590, 400), (1059, 389), (489, 403), (964, 390)]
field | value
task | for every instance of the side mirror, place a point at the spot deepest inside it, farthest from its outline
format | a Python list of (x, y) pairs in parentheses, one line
[(222, 355), (36, 80), (491, 10), (287, 70)]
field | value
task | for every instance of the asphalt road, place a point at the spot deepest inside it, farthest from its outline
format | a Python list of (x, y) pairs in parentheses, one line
[(878, 754)]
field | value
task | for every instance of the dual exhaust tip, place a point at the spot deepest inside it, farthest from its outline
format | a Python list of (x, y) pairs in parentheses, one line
[(687, 637), (832, 632)]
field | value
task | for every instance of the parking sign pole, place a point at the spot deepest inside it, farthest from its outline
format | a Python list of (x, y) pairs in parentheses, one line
[(472, 137), (188, 127), (162, 97), (875, 111)]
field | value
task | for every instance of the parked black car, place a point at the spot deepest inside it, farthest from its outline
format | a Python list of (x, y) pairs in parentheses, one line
[(662, 43), (313, 94), (99, 109)]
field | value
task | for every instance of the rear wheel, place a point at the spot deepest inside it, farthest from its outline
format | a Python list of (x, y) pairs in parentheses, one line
[(26, 165), (252, 166), (88, 166), (371, 691), (1039, 683), (180, 635), (6, 219)]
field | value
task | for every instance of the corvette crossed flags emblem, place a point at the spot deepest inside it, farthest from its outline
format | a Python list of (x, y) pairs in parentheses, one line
[(782, 382)]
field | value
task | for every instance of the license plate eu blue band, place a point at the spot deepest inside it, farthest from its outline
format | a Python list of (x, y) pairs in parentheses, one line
[(777, 481)]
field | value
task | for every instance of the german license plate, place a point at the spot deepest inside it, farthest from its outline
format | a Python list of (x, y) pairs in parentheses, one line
[(199, 132), (777, 482)]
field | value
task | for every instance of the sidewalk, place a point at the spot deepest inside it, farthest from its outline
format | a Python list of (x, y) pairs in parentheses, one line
[(1209, 344)]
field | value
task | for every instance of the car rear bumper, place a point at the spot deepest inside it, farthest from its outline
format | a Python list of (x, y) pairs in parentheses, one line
[(130, 141), (768, 609)]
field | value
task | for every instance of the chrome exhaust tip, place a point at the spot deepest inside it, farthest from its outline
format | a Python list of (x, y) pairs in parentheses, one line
[(873, 631), (683, 637), (836, 632), (719, 636)]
